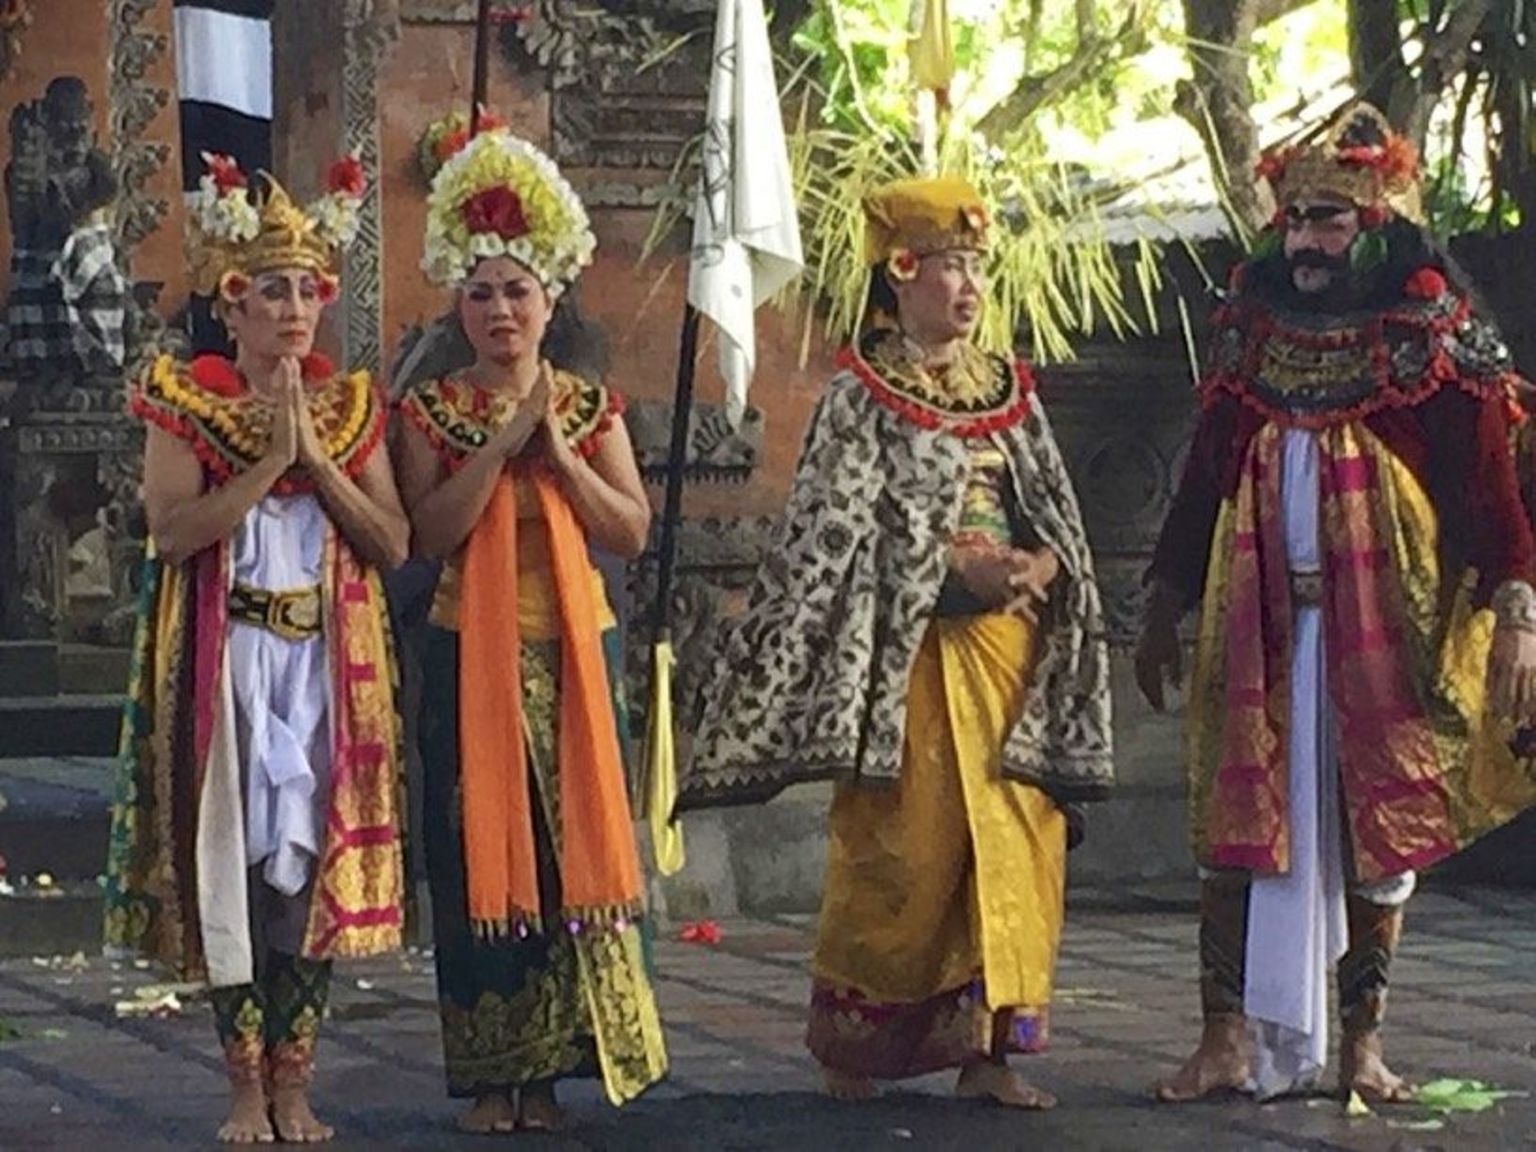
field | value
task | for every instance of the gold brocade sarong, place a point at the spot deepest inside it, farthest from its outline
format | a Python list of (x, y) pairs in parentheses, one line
[(943, 899), (1423, 771)]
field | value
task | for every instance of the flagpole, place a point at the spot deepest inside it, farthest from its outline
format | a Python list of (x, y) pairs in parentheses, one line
[(677, 463), (482, 66)]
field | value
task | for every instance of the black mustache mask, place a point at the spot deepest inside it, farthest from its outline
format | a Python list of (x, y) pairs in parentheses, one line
[(1313, 258)]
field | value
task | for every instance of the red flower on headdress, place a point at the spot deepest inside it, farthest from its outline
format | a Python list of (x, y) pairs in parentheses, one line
[(347, 177), (1374, 216), (498, 210), (450, 144), (1396, 159), (225, 172), (902, 265), (1402, 159), (1272, 164), (1426, 284)]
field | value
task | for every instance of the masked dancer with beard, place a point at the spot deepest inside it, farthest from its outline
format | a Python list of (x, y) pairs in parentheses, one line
[(1350, 526)]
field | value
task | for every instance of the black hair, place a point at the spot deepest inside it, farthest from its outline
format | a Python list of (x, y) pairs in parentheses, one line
[(574, 343)]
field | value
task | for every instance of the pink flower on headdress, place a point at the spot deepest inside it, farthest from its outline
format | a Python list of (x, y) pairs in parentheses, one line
[(975, 217), (498, 210)]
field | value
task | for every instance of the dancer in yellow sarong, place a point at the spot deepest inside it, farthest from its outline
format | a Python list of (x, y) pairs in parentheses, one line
[(928, 632)]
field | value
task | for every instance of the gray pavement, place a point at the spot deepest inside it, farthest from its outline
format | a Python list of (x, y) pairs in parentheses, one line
[(1464, 1005)]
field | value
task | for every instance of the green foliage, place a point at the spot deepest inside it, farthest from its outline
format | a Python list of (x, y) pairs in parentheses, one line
[(1053, 276)]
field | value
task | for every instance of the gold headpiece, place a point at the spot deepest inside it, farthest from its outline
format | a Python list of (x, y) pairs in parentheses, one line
[(237, 234), (911, 218), (1355, 157)]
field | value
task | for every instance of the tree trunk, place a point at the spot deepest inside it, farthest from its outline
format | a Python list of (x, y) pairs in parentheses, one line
[(1219, 101), (1381, 72)]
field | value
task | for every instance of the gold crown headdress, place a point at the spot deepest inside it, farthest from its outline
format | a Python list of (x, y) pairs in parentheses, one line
[(1356, 157), (501, 196), (908, 219), (237, 234)]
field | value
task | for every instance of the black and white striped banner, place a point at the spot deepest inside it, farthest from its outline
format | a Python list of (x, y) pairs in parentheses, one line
[(224, 80)]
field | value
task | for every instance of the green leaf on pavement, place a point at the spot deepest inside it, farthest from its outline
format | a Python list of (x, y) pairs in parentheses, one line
[(1461, 1095)]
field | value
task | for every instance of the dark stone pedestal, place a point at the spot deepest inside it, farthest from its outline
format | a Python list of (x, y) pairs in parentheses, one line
[(68, 525)]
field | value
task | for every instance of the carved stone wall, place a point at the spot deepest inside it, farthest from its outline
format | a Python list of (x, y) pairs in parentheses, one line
[(1123, 422), (69, 538)]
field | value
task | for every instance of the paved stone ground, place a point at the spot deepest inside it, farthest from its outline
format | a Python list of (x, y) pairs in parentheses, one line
[(78, 1077)]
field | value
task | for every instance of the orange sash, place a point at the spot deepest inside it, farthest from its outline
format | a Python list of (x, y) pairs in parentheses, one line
[(599, 867)]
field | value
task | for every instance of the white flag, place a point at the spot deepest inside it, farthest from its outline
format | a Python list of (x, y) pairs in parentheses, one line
[(746, 235)]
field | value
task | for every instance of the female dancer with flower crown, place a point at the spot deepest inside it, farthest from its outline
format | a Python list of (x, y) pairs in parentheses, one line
[(510, 470)]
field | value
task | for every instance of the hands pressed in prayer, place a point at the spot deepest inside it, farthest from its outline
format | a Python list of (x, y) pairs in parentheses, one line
[(529, 417), (557, 449), (309, 451), (284, 445)]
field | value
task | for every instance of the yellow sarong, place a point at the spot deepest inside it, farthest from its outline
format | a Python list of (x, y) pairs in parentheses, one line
[(943, 897)]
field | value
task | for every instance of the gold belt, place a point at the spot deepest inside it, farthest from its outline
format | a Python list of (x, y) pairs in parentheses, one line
[(293, 613), (1306, 589)]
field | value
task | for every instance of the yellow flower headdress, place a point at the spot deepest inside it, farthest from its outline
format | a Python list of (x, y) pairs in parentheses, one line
[(909, 219), (236, 234), (501, 196)]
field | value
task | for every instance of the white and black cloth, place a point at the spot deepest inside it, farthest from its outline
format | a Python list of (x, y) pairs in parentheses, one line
[(224, 85), (224, 82), (94, 297)]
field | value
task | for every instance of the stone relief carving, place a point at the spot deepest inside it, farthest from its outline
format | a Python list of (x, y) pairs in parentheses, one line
[(69, 460), (65, 310), (627, 80), (15, 18), (372, 27), (716, 452), (716, 560), (71, 540)]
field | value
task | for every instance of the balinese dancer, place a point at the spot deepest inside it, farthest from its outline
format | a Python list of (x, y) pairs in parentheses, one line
[(1351, 530), (256, 836), (927, 632), (511, 469)]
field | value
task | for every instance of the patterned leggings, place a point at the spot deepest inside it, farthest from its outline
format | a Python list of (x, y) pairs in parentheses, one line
[(269, 1028)]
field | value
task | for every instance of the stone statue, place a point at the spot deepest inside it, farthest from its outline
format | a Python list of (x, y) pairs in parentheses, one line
[(68, 304)]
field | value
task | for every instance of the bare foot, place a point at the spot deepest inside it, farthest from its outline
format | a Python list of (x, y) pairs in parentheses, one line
[(1362, 1070), (537, 1110), (843, 1086), (984, 1080), (248, 1122), (1221, 1064), (294, 1121), (493, 1113)]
